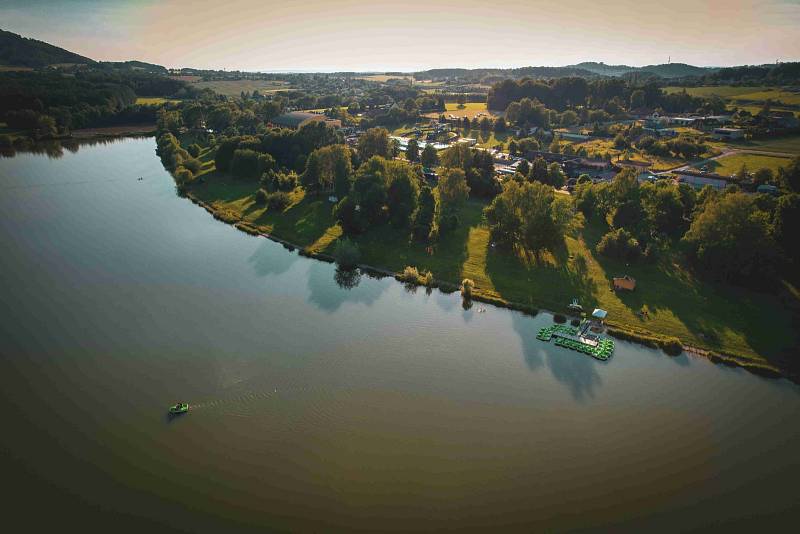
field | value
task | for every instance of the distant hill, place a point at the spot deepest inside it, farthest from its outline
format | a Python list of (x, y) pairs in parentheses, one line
[(677, 70), (136, 65), (602, 69), (585, 69), (19, 51)]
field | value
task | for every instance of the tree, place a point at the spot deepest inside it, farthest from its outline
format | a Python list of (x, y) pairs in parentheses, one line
[(619, 244), (328, 169), (462, 100), (346, 253), (453, 189), (637, 99), (374, 142), (412, 151), (527, 215), (730, 239), (430, 157), (539, 171), (790, 175), (787, 223), (249, 164), (569, 118), (402, 193), (500, 125), (513, 149), (555, 176), (664, 208), (555, 146), (422, 226), (524, 167)]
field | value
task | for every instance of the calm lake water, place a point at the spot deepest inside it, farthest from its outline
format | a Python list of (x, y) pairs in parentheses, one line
[(321, 408)]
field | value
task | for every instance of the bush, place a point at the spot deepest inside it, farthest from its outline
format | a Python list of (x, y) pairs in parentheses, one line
[(194, 150), (575, 322), (411, 275), (261, 197), (5, 141), (559, 318), (278, 201), (467, 286), (346, 253)]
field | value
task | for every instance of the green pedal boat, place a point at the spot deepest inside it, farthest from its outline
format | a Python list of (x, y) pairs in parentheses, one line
[(179, 408)]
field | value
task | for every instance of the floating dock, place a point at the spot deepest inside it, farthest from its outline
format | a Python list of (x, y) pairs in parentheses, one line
[(578, 339)]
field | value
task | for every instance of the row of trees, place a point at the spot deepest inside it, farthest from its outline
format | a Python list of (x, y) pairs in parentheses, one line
[(727, 235)]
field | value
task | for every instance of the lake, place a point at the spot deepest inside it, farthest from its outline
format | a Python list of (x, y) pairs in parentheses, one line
[(316, 407)]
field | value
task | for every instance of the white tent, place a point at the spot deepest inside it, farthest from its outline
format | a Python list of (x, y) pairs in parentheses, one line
[(599, 314)]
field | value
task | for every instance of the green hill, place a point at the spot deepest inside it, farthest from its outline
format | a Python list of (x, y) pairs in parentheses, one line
[(19, 51)]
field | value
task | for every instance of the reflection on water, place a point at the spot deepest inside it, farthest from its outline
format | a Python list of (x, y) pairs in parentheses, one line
[(331, 400), (328, 295), (577, 371)]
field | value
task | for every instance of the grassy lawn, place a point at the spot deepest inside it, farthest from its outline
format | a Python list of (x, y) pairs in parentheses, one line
[(152, 101), (235, 87), (724, 318), (731, 164), (790, 98)]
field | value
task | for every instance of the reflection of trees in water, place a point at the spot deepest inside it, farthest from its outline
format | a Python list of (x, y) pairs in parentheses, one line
[(347, 278), (271, 258), (329, 295), (577, 371), (54, 149)]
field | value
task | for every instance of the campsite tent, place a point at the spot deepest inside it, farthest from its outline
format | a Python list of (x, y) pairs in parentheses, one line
[(599, 314)]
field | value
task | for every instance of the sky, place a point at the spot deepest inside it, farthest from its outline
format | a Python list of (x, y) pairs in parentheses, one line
[(407, 35)]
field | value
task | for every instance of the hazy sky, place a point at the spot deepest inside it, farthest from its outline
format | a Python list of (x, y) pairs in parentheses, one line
[(331, 35)]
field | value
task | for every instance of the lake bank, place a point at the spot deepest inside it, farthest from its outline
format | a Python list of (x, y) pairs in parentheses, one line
[(616, 329)]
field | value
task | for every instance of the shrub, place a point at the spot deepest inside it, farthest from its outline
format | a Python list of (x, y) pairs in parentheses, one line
[(467, 286), (5, 141), (278, 201), (261, 196), (346, 253), (575, 322), (559, 318), (411, 275)]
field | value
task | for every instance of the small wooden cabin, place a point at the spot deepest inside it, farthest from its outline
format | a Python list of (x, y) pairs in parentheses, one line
[(625, 282)]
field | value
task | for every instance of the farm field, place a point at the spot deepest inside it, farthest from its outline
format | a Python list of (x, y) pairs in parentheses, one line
[(723, 91), (382, 78), (471, 110), (152, 101), (235, 87), (732, 164)]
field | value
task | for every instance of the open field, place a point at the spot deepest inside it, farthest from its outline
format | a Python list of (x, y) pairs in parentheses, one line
[(382, 78), (722, 318), (722, 91), (789, 144), (658, 163), (471, 110), (154, 101), (790, 98), (235, 87), (12, 68), (731, 164), (187, 78)]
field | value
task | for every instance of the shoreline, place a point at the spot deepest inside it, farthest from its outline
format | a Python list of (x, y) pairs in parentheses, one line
[(613, 328)]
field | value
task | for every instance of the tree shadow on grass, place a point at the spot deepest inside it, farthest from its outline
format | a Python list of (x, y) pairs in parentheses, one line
[(302, 223)]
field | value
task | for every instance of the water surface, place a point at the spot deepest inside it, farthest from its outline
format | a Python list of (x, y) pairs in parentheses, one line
[(320, 408)]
